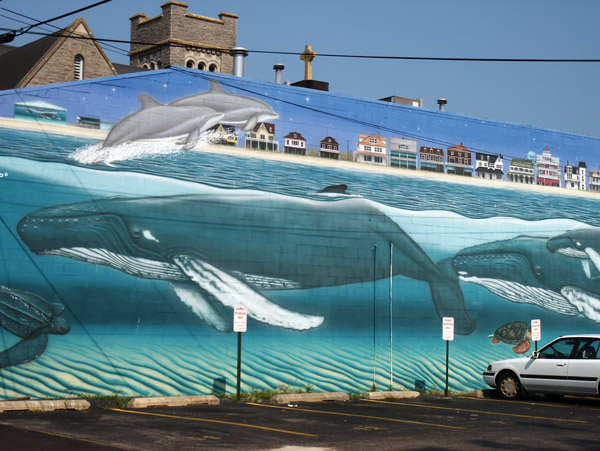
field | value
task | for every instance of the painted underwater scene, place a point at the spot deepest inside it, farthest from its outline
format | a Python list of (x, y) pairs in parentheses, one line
[(144, 253)]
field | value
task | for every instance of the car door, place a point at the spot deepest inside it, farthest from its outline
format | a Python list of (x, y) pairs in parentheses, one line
[(584, 367), (549, 372)]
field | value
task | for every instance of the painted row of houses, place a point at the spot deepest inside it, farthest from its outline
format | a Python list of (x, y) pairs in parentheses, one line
[(375, 149), (543, 169)]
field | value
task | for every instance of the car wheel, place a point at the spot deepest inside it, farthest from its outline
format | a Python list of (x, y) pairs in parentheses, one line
[(509, 386)]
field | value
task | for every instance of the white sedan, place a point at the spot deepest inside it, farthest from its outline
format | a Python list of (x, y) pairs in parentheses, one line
[(567, 365)]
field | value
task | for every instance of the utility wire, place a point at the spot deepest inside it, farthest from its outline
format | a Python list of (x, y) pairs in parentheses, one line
[(8, 37), (108, 46), (341, 55)]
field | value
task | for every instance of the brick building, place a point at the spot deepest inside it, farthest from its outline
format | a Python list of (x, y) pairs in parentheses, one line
[(67, 55), (179, 38)]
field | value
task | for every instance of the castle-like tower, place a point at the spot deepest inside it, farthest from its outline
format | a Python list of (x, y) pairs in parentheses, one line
[(179, 38)]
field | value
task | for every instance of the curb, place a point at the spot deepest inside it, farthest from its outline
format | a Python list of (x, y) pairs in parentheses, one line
[(45, 406), (173, 401), (309, 397), (391, 395)]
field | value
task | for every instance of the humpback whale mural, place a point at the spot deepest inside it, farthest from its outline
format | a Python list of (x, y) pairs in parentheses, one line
[(188, 117), (233, 247), (32, 318), (558, 273)]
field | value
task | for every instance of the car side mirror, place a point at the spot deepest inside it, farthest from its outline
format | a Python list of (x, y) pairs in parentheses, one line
[(535, 354)]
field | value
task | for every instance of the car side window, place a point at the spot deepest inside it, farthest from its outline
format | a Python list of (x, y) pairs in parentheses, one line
[(560, 349), (588, 349)]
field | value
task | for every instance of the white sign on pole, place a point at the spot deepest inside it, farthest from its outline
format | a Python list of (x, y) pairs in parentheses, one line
[(240, 319), (448, 328), (536, 330)]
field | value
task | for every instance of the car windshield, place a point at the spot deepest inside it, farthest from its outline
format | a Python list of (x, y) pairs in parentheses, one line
[(560, 349)]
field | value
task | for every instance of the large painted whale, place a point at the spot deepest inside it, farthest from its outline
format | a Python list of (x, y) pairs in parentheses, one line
[(242, 111), (551, 273), (157, 121), (233, 247)]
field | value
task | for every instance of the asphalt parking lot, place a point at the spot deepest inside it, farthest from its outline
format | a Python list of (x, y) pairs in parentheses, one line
[(427, 422)]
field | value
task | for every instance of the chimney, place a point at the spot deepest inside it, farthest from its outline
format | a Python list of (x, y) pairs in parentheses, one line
[(238, 53), (278, 69), (442, 103)]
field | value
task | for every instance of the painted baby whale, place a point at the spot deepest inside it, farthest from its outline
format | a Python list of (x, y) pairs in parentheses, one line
[(583, 244), (242, 111), (156, 121), (531, 270), (32, 318), (232, 247)]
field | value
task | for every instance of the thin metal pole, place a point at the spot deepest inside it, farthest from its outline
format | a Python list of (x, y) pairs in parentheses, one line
[(239, 366), (391, 316), (447, 355), (373, 388)]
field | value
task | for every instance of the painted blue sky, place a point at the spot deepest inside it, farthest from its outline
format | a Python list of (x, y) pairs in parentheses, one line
[(561, 96)]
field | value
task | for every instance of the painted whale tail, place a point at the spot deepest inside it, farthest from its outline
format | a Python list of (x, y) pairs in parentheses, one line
[(448, 299)]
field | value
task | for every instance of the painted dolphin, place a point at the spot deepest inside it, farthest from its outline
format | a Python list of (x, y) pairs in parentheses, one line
[(234, 246), (157, 121), (242, 111), (32, 318), (525, 270)]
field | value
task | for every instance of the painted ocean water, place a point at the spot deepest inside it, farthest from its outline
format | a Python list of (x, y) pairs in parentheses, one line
[(135, 335)]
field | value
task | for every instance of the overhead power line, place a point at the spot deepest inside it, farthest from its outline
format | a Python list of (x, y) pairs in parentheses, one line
[(108, 46), (341, 55), (8, 37)]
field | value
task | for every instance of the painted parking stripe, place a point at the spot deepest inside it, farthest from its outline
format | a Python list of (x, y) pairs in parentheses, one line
[(457, 409), (72, 437), (205, 420), (325, 412), (534, 403)]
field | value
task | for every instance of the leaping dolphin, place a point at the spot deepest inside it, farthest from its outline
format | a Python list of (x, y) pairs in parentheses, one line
[(158, 121), (548, 272), (232, 247), (242, 111)]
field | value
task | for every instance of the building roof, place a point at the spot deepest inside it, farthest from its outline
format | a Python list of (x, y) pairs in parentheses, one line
[(123, 69), (268, 126), (295, 135), (329, 139), (26, 60)]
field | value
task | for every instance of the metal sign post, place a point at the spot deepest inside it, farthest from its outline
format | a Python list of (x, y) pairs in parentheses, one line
[(536, 331), (240, 322), (448, 336)]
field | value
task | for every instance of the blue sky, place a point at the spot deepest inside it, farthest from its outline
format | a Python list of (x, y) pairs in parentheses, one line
[(561, 96)]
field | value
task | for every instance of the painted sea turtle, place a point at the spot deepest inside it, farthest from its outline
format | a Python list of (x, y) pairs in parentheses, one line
[(515, 333), (32, 318)]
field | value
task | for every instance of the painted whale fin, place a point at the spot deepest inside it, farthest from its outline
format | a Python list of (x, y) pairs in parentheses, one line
[(148, 101), (339, 189), (24, 351), (215, 86), (190, 296), (230, 291), (448, 298)]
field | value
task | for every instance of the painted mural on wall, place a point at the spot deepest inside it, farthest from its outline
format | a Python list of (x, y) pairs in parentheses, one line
[(128, 237)]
